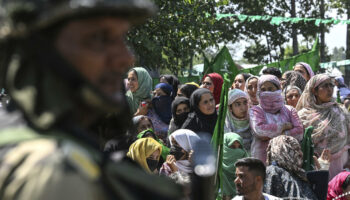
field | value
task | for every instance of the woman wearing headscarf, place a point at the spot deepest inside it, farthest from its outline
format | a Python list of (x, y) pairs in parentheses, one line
[(339, 187), (271, 117), (251, 87), (293, 78), (305, 70), (240, 81), (285, 176), (140, 87), (182, 144), (237, 118), (331, 122), (292, 95), (150, 133), (233, 150), (213, 82), (146, 152), (187, 89), (203, 116), (171, 80), (180, 109)]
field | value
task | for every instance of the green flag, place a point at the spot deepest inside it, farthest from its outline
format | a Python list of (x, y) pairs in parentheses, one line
[(221, 64), (312, 58), (218, 136), (307, 148)]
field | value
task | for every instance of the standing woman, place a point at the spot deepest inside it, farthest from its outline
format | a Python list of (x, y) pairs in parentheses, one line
[(140, 87), (317, 108), (251, 87), (180, 109), (237, 118), (240, 81), (271, 117), (171, 80), (203, 116), (213, 82)]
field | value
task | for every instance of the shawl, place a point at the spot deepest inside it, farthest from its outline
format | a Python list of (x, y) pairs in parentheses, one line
[(173, 81), (196, 120), (295, 78), (162, 104), (178, 120), (307, 67), (252, 100), (231, 122), (330, 121), (143, 92), (141, 149), (217, 81), (230, 156), (186, 139), (335, 186), (187, 89), (286, 152)]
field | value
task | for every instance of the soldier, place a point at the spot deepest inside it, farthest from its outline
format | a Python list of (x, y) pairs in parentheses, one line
[(63, 64)]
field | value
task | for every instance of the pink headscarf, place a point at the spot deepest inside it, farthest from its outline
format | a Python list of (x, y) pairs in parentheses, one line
[(271, 102), (307, 67), (335, 186)]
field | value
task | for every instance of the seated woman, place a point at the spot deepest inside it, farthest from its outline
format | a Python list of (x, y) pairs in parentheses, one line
[(271, 117), (285, 176), (237, 118), (293, 78), (150, 133), (240, 81), (213, 82), (331, 122), (187, 89), (140, 87), (251, 87), (203, 116), (339, 187), (146, 152), (182, 143), (304, 69), (179, 109), (292, 95), (233, 150)]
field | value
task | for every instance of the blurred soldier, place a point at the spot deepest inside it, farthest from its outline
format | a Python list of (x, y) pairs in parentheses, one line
[(63, 63)]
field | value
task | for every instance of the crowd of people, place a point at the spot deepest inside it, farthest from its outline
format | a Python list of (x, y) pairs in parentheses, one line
[(265, 123)]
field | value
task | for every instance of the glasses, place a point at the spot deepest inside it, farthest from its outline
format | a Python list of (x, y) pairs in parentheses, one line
[(206, 83)]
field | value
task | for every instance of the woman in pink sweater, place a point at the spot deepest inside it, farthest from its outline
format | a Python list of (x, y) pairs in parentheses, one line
[(271, 117)]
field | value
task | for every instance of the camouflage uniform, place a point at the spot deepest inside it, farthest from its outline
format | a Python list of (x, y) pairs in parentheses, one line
[(47, 156)]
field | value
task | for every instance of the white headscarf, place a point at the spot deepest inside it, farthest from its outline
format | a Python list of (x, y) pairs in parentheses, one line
[(186, 139)]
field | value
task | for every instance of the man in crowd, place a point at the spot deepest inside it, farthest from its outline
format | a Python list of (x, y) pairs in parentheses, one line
[(251, 173), (63, 63)]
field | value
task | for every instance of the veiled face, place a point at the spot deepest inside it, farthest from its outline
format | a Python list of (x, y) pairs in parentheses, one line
[(96, 48)]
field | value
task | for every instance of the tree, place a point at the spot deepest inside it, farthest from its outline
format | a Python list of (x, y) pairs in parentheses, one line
[(338, 54)]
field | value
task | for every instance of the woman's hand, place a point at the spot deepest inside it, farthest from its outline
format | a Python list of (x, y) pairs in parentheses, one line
[(142, 110), (170, 160), (287, 126)]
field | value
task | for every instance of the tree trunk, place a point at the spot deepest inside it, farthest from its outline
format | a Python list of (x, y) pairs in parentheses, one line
[(322, 45), (294, 31)]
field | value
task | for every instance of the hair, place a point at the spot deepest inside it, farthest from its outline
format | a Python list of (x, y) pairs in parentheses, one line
[(273, 71), (245, 76), (346, 183), (254, 165), (187, 89)]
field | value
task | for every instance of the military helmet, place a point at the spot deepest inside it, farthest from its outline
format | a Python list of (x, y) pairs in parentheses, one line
[(20, 17)]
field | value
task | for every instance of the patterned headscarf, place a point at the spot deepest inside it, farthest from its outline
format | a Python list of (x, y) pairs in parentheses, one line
[(295, 78), (335, 186), (330, 121), (234, 124), (143, 92), (217, 81), (252, 100), (286, 152), (141, 149)]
